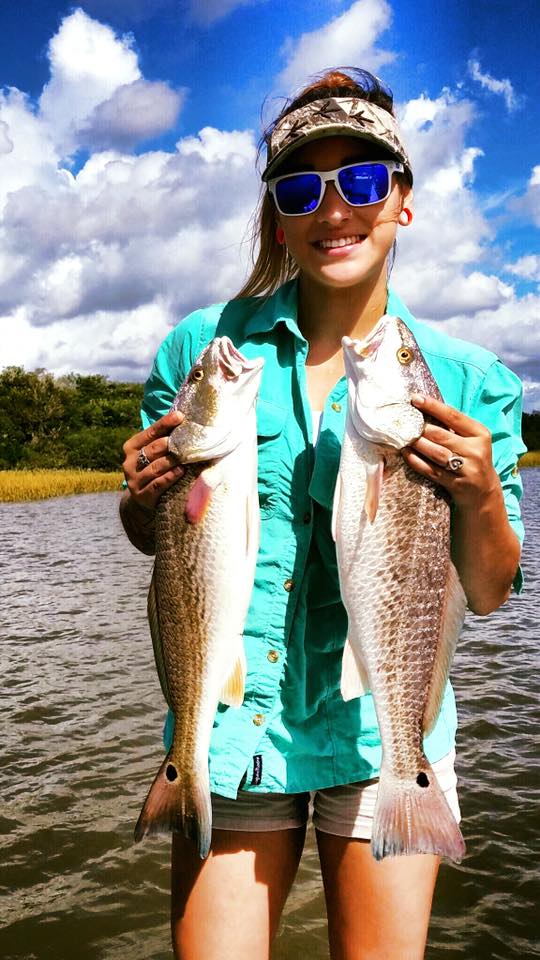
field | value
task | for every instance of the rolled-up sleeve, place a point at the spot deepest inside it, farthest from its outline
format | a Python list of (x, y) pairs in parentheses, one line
[(497, 404)]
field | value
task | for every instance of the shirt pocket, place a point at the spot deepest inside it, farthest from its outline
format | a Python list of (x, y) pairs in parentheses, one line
[(270, 422)]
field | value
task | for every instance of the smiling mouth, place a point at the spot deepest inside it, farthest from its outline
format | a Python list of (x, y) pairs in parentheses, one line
[(339, 242)]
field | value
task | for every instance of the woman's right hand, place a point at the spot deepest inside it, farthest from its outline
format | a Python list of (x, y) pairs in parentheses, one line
[(146, 484)]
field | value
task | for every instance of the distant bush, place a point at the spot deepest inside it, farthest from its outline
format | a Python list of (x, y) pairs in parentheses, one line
[(73, 421), (531, 430)]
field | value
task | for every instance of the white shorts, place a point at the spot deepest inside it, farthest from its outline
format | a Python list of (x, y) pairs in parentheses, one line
[(345, 811)]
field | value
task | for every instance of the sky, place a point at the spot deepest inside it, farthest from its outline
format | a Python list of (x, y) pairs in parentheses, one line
[(128, 164)]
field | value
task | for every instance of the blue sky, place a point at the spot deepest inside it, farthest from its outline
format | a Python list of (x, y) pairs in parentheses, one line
[(101, 115)]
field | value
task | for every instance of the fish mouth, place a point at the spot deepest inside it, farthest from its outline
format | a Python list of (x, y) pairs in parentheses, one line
[(233, 363), (369, 345)]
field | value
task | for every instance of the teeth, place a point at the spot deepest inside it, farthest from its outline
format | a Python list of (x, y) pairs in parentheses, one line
[(341, 242)]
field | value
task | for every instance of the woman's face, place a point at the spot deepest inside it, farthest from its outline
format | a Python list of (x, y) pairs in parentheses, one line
[(371, 230)]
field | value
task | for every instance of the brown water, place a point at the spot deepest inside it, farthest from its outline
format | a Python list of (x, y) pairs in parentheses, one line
[(81, 723)]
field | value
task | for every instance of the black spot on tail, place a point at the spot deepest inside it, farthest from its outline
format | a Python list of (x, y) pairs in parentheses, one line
[(422, 780), (171, 773)]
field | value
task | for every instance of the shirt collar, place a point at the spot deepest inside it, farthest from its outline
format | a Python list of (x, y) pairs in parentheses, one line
[(280, 307)]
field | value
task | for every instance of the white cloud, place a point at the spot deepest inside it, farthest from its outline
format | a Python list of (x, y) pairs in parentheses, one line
[(160, 230), (96, 266), (527, 267), (346, 39), (135, 112), (512, 331), (502, 87), (437, 263), (96, 96)]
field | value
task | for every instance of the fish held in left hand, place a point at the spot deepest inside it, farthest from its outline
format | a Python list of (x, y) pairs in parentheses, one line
[(207, 536), (402, 593)]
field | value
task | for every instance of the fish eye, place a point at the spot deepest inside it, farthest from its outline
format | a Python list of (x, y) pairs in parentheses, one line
[(405, 355), (197, 374)]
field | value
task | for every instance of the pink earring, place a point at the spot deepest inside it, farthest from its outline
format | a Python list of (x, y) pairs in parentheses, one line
[(280, 236), (405, 217)]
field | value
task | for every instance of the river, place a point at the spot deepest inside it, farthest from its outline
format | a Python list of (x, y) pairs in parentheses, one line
[(81, 720)]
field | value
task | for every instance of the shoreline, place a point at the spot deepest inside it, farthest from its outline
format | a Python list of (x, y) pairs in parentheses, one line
[(17, 486)]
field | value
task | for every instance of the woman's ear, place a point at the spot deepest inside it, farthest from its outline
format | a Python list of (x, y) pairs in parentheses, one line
[(406, 213)]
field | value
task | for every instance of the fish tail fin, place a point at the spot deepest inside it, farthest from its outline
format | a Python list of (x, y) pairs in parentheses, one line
[(413, 816), (174, 804)]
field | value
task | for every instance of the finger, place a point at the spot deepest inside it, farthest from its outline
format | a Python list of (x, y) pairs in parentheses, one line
[(427, 468), (452, 418), (435, 451), (156, 468), (149, 493), (161, 428), (159, 448)]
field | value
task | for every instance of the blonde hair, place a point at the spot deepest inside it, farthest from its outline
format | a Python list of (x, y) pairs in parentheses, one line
[(273, 264)]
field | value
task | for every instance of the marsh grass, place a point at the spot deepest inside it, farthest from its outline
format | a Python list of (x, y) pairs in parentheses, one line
[(530, 459), (39, 484)]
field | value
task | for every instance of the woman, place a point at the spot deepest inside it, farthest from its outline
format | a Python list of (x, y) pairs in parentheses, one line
[(326, 237)]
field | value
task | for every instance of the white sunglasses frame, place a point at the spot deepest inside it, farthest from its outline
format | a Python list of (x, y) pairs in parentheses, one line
[(331, 176)]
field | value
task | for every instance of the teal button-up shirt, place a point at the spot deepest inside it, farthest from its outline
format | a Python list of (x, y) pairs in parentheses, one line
[(293, 731)]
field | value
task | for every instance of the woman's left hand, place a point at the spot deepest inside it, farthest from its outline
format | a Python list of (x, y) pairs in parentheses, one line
[(459, 436)]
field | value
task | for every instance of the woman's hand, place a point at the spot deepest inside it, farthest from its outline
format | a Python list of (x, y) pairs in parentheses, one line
[(485, 549), (147, 483), (459, 436), (149, 470)]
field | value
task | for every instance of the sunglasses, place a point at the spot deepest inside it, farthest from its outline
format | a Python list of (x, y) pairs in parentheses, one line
[(359, 184)]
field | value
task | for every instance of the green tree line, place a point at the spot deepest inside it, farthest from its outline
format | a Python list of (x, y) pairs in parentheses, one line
[(71, 421), (82, 421)]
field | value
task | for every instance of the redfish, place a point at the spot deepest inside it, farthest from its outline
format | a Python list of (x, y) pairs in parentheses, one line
[(207, 535), (403, 596)]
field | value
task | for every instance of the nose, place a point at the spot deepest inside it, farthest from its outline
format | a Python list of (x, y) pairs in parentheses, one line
[(333, 209)]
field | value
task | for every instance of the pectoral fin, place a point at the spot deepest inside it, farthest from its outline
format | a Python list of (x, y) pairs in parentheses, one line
[(374, 481), (232, 692), (354, 680), (200, 494), (336, 505)]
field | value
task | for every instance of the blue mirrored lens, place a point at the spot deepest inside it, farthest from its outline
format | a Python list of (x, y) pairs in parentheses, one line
[(298, 193), (363, 184)]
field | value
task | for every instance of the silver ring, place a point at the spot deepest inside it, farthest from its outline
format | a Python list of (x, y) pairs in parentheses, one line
[(142, 460), (454, 463)]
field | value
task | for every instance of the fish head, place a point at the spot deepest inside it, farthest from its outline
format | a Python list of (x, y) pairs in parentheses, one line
[(383, 370), (216, 396)]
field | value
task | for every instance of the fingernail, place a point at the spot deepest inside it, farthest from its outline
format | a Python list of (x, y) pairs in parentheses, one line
[(179, 470), (178, 416), (418, 399)]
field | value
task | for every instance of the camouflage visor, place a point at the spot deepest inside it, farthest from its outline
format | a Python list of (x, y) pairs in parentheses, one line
[(334, 116)]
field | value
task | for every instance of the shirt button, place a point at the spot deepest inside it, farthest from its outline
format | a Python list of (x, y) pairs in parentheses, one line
[(336, 407), (307, 517), (289, 585), (515, 470), (258, 719), (272, 656)]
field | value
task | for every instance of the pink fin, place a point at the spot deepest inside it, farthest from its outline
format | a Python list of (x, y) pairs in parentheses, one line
[(198, 499), (374, 480), (176, 804), (413, 816)]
